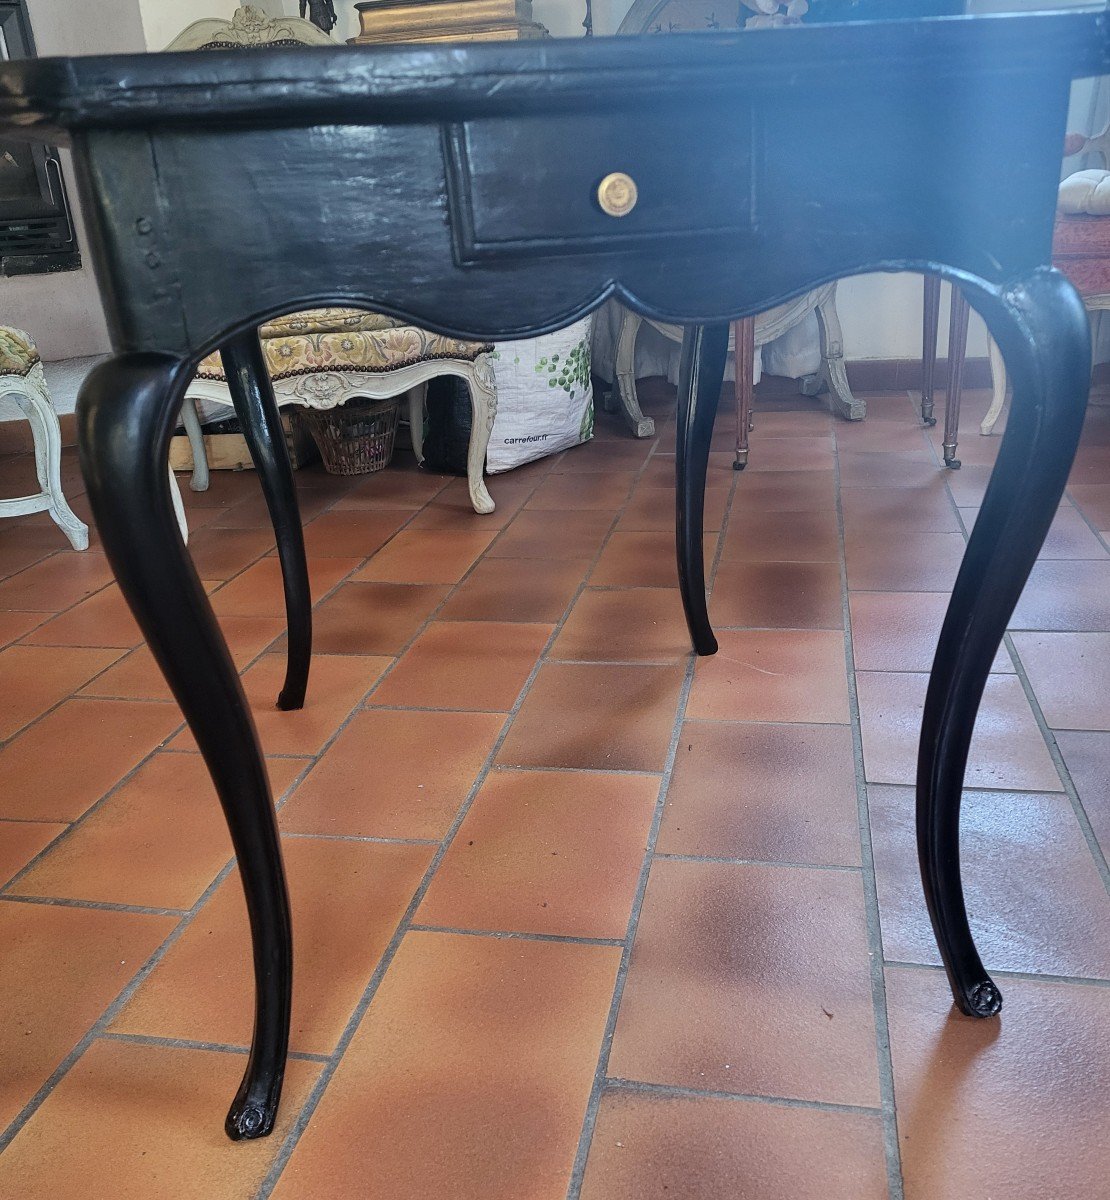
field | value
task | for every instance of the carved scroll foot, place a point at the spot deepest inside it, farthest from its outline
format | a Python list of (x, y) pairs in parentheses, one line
[(704, 350), (126, 412), (1042, 329)]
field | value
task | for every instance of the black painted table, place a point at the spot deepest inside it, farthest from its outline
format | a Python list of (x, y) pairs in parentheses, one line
[(505, 190)]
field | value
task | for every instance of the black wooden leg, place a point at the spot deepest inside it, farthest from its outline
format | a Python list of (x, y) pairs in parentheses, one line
[(1042, 330), (704, 349), (126, 412), (930, 326), (253, 396)]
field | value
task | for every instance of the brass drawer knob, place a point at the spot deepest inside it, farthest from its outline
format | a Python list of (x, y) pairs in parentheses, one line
[(617, 194)]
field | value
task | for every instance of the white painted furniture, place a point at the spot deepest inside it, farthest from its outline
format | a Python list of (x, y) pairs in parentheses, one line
[(22, 381), (768, 326)]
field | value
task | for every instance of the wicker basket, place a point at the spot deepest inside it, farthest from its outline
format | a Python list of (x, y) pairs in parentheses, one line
[(356, 438)]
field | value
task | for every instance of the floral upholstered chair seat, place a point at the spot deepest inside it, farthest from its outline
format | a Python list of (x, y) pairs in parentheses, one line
[(18, 353), (347, 340)]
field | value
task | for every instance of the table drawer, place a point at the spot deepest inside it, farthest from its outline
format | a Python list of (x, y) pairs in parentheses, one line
[(534, 189)]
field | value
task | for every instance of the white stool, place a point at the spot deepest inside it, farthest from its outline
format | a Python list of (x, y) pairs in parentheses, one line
[(22, 380)]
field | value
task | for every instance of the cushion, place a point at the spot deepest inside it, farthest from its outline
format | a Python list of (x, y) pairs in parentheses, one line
[(361, 352), (18, 353), (328, 320), (1086, 192)]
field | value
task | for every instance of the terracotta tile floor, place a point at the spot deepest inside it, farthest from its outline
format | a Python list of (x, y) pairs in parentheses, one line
[(577, 918)]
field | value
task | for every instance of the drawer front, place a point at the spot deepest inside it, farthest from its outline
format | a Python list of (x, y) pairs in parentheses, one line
[(533, 188)]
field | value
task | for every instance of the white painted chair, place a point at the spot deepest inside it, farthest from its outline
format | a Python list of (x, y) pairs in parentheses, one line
[(22, 381)]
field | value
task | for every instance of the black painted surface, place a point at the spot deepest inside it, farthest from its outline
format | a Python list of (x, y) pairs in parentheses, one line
[(226, 188)]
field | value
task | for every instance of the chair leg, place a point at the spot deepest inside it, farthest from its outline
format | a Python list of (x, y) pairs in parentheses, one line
[(1041, 327), (34, 400), (704, 350), (126, 413), (930, 327), (624, 371), (833, 373), (744, 341), (483, 401), (998, 388), (190, 419), (957, 353), (252, 393), (416, 398)]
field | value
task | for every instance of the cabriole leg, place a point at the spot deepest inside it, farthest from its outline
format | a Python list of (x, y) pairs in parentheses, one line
[(930, 326), (126, 413), (1042, 330), (704, 349), (743, 337), (957, 353), (191, 421), (252, 393), (483, 412)]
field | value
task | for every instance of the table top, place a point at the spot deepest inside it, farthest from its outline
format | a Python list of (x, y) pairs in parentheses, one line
[(51, 98)]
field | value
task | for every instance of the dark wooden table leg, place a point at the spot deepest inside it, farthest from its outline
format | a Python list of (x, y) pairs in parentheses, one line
[(126, 412), (704, 350), (957, 353), (253, 396), (1042, 329), (744, 340), (930, 326)]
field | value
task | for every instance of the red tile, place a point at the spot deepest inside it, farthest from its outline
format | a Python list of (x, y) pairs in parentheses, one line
[(355, 533), (505, 589), (102, 620), (750, 979), (258, 591), (553, 534), (373, 618), (62, 968), (1034, 895), (139, 677), (654, 1147), (903, 561), (1014, 1107), (772, 675), (336, 684), (810, 536), (157, 841), (1069, 536), (1087, 758), (777, 595), (624, 625), (21, 841), (602, 492), (424, 765), (478, 665), (777, 793), (347, 900), (1070, 674), (1066, 596), (546, 852), (426, 556), (147, 1118), (473, 1066), (898, 631), (1007, 751), (36, 678), (595, 716), (62, 765), (55, 583), (14, 625)]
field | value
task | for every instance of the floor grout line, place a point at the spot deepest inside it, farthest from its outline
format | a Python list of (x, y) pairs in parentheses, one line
[(690, 1093), (884, 1060), (299, 1126), (589, 1122)]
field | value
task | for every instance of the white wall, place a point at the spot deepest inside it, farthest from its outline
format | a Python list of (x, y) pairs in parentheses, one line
[(163, 20)]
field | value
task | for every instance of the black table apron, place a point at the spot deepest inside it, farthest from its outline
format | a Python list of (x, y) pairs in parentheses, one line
[(458, 187)]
